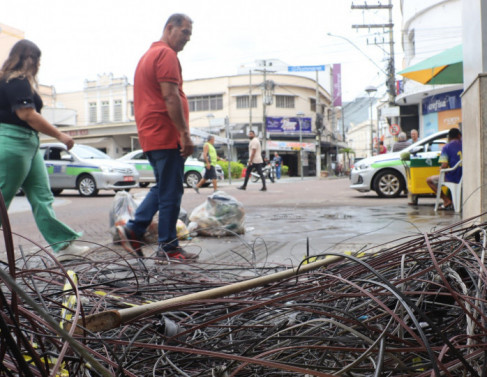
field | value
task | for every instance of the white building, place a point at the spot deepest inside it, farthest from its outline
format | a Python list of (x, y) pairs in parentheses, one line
[(429, 28)]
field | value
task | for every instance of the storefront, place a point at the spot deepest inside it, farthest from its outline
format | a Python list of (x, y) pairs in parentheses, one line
[(441, 111)]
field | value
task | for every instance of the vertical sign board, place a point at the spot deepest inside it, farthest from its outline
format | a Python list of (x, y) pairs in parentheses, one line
[(337, 84)]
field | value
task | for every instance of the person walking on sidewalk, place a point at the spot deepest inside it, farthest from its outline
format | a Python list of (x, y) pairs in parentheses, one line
[(21, 162), (162, 118), (210, 157), (255, 161)]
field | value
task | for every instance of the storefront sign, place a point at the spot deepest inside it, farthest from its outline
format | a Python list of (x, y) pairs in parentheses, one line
[(290, 146), (442, 102), (76, 132), (288, 125)]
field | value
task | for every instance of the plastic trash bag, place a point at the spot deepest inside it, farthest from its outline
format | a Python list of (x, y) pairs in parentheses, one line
[(123, 209), (220, 215), (151, 236)]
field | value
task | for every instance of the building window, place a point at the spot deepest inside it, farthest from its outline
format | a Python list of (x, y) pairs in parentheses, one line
[(312, 103), (131, 109), (285, 102), (117, 110), (105, 112), (243, 102), (205, 103), (92, 112)]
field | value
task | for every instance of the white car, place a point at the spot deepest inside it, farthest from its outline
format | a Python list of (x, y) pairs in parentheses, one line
[(385, 173), (193, 168), (86, 169)]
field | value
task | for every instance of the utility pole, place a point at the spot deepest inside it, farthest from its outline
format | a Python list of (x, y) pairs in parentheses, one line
[(250, 100), (391, 74), (319, 128), (267, 98)]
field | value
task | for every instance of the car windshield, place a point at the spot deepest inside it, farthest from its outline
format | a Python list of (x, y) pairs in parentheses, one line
[(432, 145), (86, 152)]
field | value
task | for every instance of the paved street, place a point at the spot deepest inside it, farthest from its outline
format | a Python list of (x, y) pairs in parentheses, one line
[(277, 222)]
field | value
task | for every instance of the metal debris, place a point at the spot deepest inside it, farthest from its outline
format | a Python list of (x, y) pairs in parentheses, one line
[(415, 309)]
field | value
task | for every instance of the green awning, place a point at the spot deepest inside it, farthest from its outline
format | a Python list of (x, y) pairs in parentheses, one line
[(443, 68)]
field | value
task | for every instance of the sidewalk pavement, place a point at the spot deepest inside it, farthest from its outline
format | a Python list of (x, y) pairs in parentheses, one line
[(281, 225)]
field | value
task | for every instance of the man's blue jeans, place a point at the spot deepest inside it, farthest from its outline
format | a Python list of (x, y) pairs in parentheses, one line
[(164, 197)]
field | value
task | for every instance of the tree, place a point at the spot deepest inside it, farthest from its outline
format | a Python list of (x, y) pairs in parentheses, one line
[(347, 152)]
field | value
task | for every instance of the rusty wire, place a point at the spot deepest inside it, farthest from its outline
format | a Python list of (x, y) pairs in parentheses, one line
[(416, 309)]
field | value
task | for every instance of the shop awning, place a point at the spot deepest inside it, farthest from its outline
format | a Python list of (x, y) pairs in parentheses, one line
[(443, 68)]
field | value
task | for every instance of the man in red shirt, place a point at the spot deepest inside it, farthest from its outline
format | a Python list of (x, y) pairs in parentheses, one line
[(162, 118)]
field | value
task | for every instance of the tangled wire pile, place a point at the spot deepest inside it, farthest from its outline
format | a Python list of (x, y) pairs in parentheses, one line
[(416, 309)]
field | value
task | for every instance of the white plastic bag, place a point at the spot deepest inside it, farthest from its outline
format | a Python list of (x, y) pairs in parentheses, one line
[(123, 209), (220, 215)]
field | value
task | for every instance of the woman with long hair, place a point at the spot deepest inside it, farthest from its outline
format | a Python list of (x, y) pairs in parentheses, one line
[(21, 163)]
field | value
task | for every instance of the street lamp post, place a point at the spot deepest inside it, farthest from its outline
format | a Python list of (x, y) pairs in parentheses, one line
[(370, 90), (300, 116)]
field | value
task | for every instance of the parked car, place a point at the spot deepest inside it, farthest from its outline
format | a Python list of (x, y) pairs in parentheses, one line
[(385, 173), (193, 168), (86, 169)]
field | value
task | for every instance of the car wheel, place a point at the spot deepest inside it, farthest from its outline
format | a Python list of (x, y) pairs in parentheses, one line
[(388, 184), (87, 186), (191, 178), (144, 184), (56, 192)]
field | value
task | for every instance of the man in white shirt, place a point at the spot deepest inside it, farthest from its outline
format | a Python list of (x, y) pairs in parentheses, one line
[(255, 161)]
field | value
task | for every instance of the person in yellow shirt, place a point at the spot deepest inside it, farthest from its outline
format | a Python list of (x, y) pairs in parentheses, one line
[(210, 156)]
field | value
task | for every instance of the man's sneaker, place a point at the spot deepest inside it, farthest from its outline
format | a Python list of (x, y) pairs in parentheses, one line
[(241, 188), (130, 241), (263, 189), (178, 254), (71, 252), (196, 189)]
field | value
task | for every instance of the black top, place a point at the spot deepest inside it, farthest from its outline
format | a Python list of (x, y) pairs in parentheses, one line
[(17, 94)]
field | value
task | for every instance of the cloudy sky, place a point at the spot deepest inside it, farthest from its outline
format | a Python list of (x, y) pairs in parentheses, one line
[(81, 39)]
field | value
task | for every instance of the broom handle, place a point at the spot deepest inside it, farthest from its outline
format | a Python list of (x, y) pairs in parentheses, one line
[(114, 318)]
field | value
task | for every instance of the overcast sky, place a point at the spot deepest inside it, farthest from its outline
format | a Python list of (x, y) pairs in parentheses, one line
[(80, 39)]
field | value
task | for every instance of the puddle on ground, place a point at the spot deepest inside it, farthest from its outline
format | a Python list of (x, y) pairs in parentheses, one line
[(336, 216)]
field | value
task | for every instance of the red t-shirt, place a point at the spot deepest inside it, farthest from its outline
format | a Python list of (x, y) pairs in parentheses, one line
[(156, 130)]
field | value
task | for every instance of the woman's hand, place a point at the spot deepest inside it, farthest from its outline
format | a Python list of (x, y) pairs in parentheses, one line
[(66, 140)]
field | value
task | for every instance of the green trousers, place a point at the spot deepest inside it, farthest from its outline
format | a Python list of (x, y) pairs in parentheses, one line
[(22, 165)]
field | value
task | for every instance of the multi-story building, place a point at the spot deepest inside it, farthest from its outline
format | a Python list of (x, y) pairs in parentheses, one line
[(429, 28), (227, 106), (8, 37)]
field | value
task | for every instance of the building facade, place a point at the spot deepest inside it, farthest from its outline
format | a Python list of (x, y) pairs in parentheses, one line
[(283, 113), (8, 37), (429, 28)]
